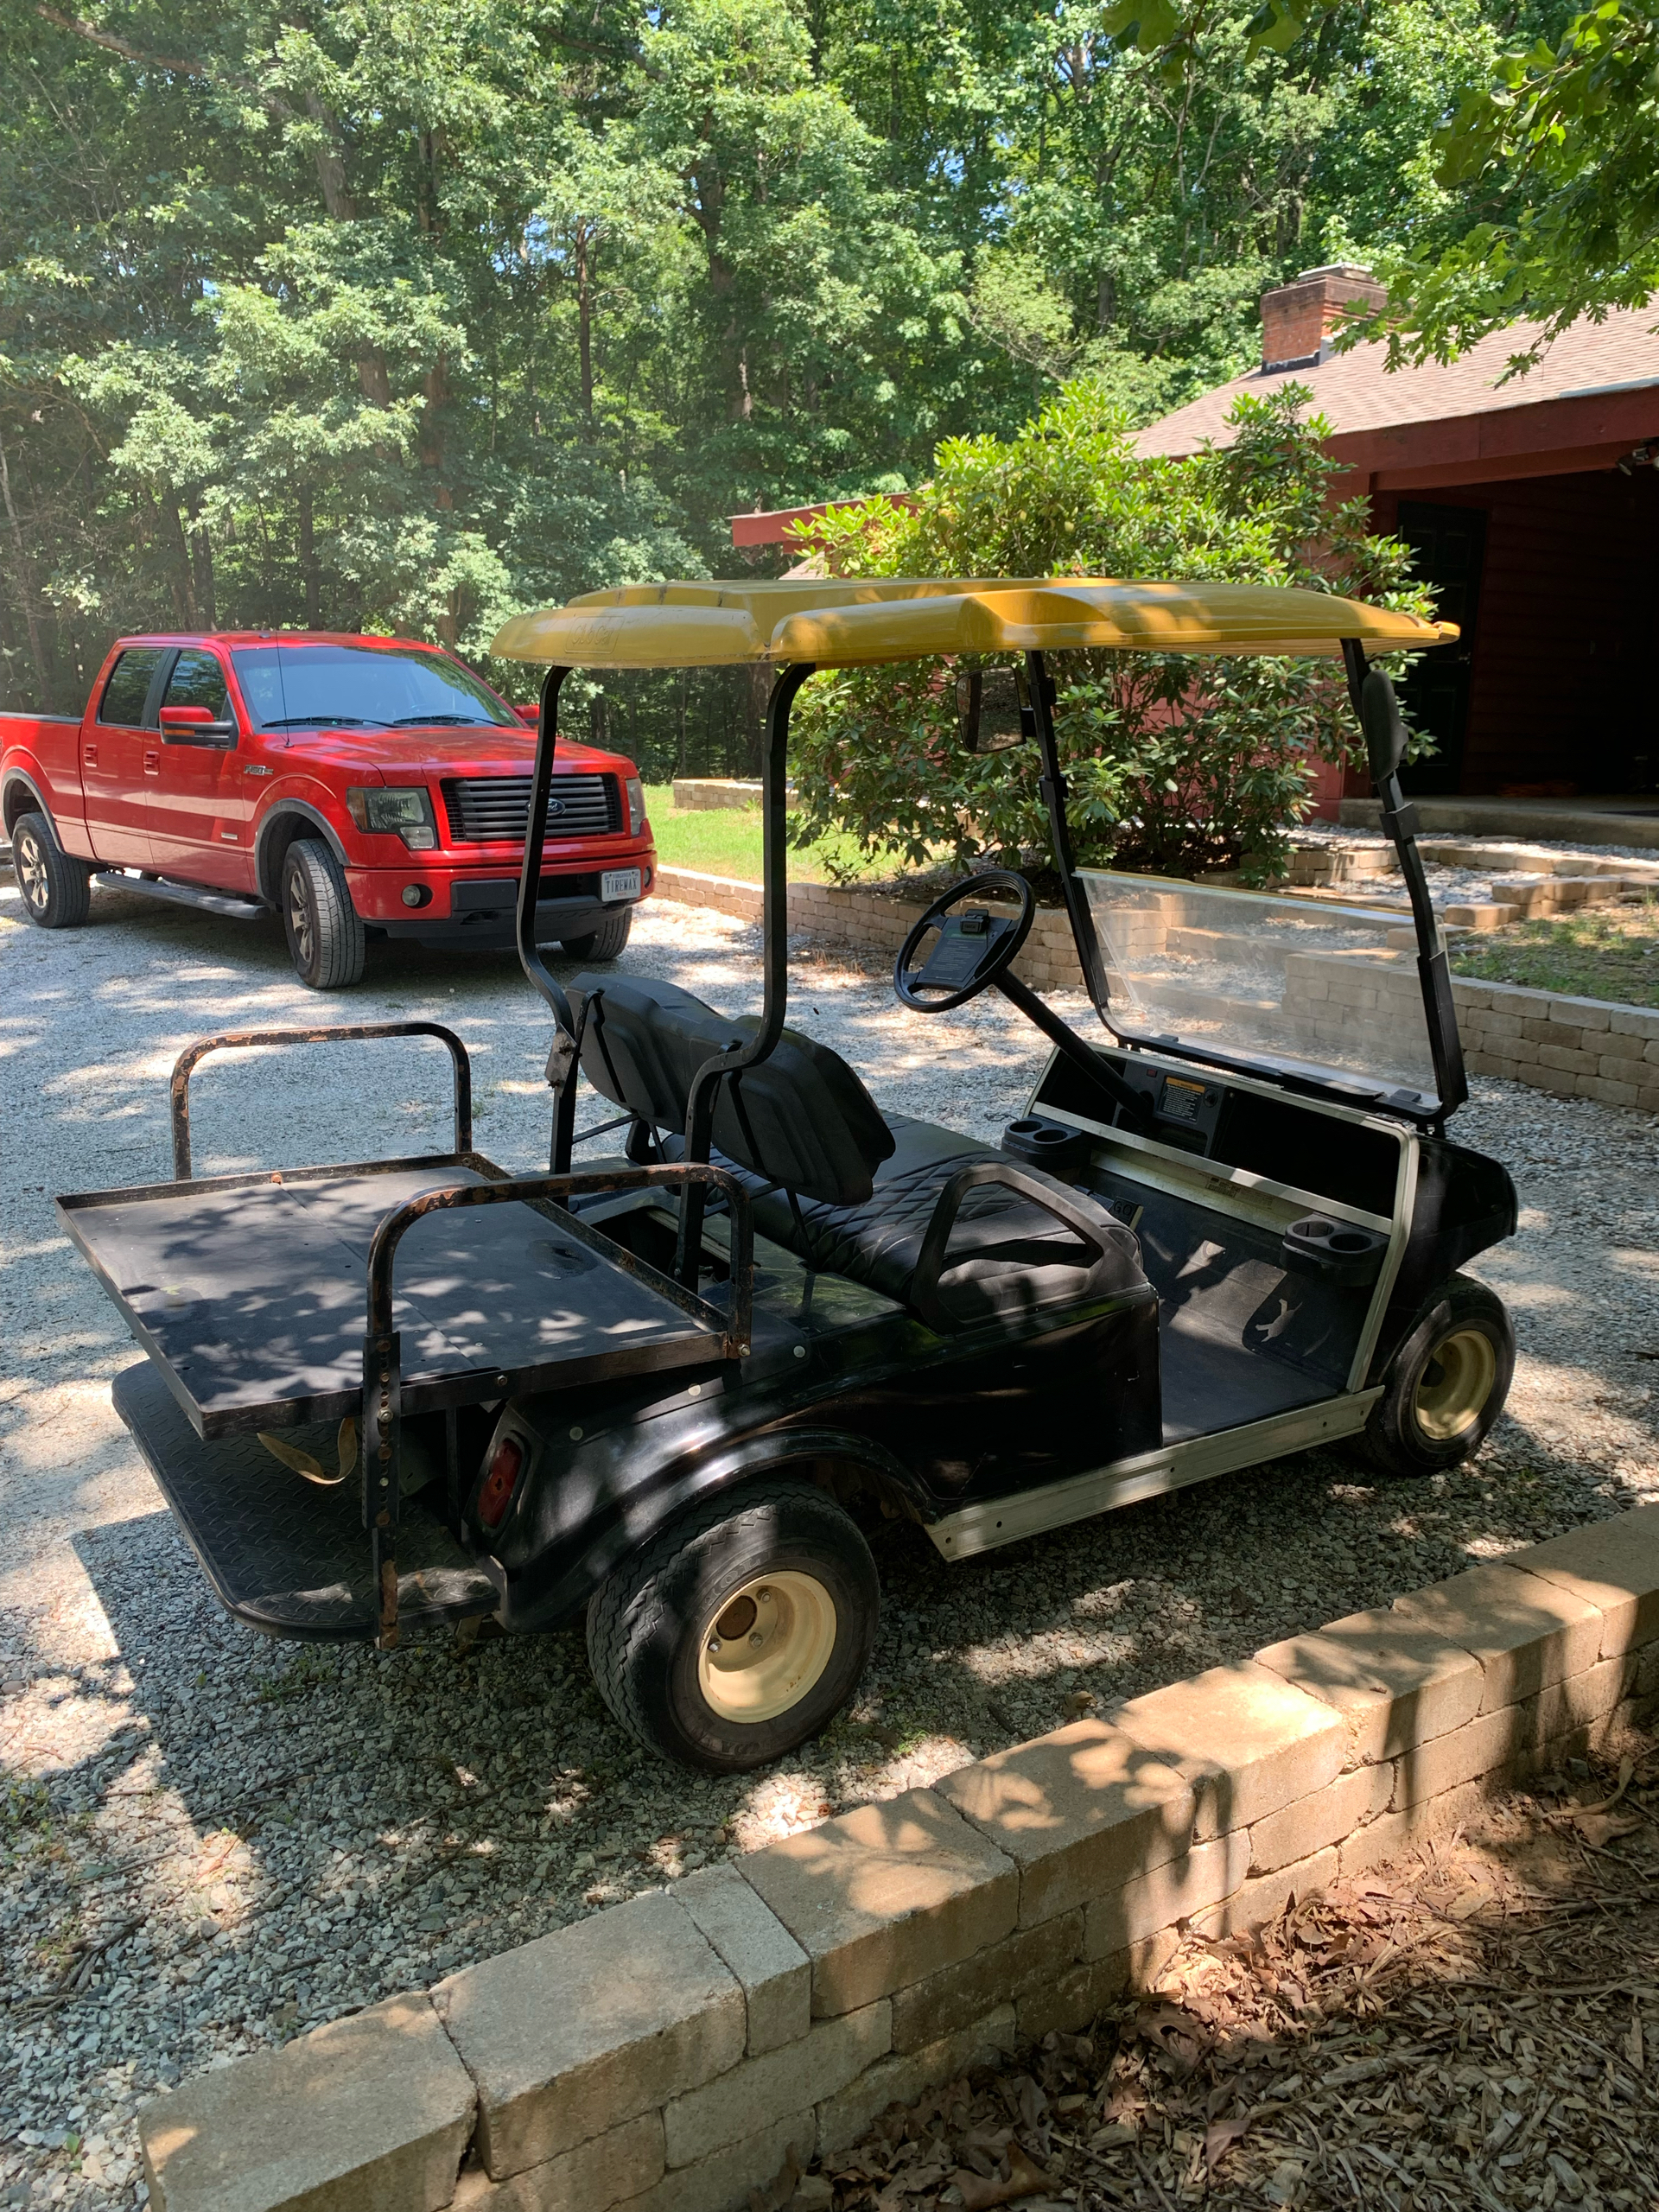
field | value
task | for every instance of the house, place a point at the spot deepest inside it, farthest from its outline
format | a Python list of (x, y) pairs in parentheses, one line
[(1532, 506)]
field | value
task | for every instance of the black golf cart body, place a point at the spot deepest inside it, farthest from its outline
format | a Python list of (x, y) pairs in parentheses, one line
[(1227, 1231)]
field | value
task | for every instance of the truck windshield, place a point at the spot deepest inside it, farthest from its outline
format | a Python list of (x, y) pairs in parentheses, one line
[(1290, 985), (302, 687)]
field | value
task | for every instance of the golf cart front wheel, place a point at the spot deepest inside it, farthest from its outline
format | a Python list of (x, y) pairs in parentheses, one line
[(1446, 1384), (741, 1630)]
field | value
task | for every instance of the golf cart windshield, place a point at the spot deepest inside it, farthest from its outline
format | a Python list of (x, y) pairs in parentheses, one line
[(1222, 977), (1243, 979)]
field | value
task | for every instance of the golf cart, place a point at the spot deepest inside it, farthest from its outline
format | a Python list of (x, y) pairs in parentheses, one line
[(674, 1386)]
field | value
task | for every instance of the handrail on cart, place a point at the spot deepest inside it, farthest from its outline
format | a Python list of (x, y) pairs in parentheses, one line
[(382, 1365), (352, 1032)]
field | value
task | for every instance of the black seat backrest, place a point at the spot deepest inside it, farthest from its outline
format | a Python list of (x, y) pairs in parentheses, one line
[(801, 1118)]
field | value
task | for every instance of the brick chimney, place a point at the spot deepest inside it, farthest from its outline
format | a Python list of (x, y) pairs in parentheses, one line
[(1298, 318)]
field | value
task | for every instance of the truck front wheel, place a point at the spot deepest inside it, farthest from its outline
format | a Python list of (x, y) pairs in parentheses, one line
[(57, 891), (741, 1630), (325, 931), (608, 941)]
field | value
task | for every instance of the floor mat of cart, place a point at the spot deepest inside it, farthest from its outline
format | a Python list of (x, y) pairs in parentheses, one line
[(282, 1554)]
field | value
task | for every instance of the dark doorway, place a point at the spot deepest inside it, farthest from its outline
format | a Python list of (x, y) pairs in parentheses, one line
[(1448, 546)]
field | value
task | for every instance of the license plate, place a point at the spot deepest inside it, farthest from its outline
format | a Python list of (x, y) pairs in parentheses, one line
[(619, 883)]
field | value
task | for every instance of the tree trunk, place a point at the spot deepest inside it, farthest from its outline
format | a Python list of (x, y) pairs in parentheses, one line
[(25, 587), (309, 561), (585, 321)]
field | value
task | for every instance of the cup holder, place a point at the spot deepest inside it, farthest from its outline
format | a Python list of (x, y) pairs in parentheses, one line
[(1336, 1251), (1046, 1144)]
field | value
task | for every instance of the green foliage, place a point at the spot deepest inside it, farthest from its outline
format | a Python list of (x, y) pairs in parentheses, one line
[(1174, 765), (361, 313)]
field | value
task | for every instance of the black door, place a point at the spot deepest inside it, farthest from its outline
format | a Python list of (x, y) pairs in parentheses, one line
[(1448, 545)]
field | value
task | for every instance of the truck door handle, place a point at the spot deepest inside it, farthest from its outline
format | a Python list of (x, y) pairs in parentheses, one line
[(152, 764), (89, 754)]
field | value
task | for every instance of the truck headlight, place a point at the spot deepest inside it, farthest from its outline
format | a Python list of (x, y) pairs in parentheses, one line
[(396, 810), (636, 806)]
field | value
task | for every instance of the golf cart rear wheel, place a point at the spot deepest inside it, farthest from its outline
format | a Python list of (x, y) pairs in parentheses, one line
[(1446, 1384), (741, 1630), (56, 890)]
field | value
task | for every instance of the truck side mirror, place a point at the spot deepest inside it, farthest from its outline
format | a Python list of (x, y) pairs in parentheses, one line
[(1383, 725)]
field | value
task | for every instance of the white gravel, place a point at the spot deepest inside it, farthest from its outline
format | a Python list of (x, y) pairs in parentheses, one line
[(262, 1836)]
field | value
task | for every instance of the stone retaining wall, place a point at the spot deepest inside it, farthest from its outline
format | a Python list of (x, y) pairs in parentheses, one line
[(666, 2054), (1572, 1047)]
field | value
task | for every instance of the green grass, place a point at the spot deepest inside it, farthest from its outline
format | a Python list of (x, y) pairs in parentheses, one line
[(1607, 954), (726, 841)]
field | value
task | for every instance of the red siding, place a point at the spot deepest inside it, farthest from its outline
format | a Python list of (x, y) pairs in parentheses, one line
[(1562, 686)]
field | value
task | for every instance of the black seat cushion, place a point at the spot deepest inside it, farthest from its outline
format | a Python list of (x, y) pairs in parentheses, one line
[(801, 1118), (1006, 1256)]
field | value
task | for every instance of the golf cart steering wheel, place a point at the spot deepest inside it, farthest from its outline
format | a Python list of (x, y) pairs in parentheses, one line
[(974, 950)]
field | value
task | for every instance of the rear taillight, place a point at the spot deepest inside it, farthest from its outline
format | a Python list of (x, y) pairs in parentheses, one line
[(496, 1494)]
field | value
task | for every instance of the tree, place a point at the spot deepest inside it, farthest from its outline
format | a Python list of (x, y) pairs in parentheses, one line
[(1177, 765)]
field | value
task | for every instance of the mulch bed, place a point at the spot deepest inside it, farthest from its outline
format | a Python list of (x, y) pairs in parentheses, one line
[(1474, 2025)]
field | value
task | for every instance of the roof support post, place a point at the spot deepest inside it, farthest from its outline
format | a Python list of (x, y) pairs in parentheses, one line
[(1371, 694), (562, 1056), (1052, 788), (774, 926)]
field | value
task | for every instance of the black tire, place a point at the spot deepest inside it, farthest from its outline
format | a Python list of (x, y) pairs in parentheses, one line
[(57, 891), (325, 932), (650, 1626), (1446, 1384), (608, 941)]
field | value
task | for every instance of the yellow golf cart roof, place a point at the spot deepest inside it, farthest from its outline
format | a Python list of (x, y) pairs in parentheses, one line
[(849, 623)]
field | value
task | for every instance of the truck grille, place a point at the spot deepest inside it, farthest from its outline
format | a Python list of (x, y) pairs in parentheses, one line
[(491, 810)]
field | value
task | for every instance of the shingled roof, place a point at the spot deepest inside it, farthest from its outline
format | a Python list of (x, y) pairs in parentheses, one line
[(1357, 393)]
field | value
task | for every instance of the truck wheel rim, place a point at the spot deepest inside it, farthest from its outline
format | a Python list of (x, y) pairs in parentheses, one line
[(765, 1646), (1452, 1390), (299, 915), (31, 874)]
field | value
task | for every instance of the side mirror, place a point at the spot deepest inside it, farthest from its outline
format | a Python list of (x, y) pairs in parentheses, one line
[(195, 725), (1384, 728), (993, 709), (530, 716)]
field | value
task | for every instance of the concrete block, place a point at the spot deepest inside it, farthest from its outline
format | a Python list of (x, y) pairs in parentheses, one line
[(1174, 1892), (605, 2170), (1246, 1740), (901, 2079), (1524, 1631), (1566, 1060), (1325, 1818), (1481, 1749), (1581, 1014), (722, 2181), (769, 1966), (1612, 1565), (371, 2113), (1264, 1896), (1634, 1021), (1078, 1811), (1399, 1831), (883, 1895), (1606, 1090), (1621, 1045), (784, 2081), (1583, 1699), (1029, 1959), (581, 2030)]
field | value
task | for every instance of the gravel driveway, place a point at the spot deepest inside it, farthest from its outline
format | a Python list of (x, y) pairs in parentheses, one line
[(212, 1841)]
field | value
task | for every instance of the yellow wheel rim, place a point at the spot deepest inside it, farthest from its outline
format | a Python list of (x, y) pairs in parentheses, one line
[(1452, 1390), (765, 1646)]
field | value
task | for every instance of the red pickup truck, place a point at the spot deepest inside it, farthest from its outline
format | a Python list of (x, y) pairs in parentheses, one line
[(355, 784)]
